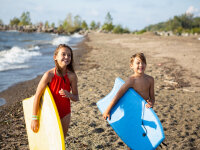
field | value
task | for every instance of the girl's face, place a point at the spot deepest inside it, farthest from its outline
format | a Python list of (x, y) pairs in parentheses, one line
[(63, 57), (138, 66)]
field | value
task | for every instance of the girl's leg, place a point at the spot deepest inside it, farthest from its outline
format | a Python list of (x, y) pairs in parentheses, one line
[(65, 123)]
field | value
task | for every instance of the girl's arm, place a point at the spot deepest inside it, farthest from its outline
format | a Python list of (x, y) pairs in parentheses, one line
[(119, 94), (74, 95), (151, 101), (40, 89)]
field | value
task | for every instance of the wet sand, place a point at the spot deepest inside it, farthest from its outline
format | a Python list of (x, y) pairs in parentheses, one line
[(172, 61)]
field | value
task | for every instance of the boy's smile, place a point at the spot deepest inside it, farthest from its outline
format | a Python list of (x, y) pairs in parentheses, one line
[(138, 66)]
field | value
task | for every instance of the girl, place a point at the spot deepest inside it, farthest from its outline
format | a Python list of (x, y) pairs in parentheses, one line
[(60, 80)]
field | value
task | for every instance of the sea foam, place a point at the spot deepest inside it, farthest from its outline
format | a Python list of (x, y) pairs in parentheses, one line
[(65, 39), (60, 40), (15, 57), (76, 35)]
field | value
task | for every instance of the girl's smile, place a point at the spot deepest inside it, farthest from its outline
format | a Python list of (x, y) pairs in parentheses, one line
[(63, 57)]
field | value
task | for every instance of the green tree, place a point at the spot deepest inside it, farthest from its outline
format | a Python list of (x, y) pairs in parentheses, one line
[(126, 30), (108, 19), (67, 24), (195, 30), (84, 25), (60, 29), (98, 25), (1, 22), (175, 23), (93, 25), (179, 24), (53, 25), (46, 24), (25, 18), (108, 25), (141, 31), (118, 29), (196, 22), (77, 21), (186, 21), (70, 24), (14, 21), (179, 30)]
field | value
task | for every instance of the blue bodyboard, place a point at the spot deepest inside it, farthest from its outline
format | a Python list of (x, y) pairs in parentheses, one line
[(137, 126)]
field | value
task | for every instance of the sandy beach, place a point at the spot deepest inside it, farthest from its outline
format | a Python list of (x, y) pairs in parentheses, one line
[(173, 62)]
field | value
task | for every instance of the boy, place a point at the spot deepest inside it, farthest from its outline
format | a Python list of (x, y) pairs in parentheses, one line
[(142, 83)]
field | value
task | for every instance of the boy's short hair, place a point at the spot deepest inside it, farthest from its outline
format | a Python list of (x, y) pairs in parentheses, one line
[(139, 55)]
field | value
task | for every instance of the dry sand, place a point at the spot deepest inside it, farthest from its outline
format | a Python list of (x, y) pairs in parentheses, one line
[(172, 61)]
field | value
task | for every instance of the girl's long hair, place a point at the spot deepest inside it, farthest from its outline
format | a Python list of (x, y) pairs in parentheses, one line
[(70, 66)]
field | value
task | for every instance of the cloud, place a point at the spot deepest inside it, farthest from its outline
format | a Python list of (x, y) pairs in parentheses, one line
[(38, 9), (94, 12), (192, 10)]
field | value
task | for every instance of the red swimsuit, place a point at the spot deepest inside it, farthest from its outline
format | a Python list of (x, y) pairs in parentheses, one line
[(62, 103)]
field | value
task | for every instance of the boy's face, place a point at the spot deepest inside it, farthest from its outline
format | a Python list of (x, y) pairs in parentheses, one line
[(138, 66)]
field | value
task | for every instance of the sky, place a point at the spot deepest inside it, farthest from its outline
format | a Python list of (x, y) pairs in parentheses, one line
[(134, 14)]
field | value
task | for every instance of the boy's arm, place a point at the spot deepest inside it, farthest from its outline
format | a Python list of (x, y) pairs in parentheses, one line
[(151, 100), (119, 94)]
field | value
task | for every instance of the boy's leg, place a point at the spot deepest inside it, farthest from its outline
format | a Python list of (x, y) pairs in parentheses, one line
[(65, 123)]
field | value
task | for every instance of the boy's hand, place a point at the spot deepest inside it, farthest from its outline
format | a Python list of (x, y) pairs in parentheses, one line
[(149, 104), (106, 115)]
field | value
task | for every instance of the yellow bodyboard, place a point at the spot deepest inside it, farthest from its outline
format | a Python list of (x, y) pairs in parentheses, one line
[(50, 134)]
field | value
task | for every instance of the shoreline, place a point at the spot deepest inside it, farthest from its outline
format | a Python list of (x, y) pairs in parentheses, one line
[(107, 57), (37, 29), (28, 87)]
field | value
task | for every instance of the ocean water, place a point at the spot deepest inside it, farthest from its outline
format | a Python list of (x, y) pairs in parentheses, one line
[(23, 56)]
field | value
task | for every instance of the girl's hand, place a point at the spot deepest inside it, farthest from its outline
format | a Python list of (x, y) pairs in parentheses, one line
[(64, 93), (106, 115), (149, 104), (35, 125)]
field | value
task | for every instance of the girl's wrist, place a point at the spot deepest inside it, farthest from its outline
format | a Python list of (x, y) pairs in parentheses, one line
[(35, 117)]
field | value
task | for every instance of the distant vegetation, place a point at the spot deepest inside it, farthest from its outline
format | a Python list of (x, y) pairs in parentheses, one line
[(74, 24), (185, 23), (70, 24), (22, 21), (1, 22), (109, 27)]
